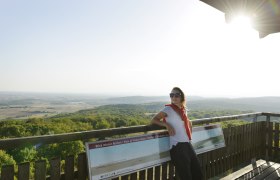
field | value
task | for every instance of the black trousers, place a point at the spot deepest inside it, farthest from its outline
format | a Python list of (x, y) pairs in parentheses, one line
[(186, 162)]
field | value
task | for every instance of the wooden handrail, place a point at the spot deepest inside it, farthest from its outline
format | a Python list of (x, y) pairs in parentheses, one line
[(66, 137), (225, 118), (271, 114), (86, 135)]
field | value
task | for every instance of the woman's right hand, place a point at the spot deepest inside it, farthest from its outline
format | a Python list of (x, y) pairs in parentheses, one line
[(170, 129)]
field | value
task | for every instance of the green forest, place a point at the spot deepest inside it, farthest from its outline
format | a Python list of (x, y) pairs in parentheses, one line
[(102, 117)]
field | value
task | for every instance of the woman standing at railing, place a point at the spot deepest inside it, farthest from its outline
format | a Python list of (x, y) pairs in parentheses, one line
[(174, 118)]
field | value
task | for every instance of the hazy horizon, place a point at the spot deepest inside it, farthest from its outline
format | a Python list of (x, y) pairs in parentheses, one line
[(31, 104), (120, 95)]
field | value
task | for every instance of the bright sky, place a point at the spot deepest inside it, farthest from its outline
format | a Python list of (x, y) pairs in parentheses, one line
[(132, 47)]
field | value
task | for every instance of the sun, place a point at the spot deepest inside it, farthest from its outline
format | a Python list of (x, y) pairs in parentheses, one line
[(241, 27), (242, 21)]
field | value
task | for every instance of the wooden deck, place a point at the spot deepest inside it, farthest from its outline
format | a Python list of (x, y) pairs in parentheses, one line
[(259, 170)]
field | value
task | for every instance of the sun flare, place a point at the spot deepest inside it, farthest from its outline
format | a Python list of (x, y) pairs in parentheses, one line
[(241, 28), (242, 21)]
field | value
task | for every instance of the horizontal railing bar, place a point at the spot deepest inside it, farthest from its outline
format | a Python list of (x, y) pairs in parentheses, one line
[(86, 135), (66, 137), (271, 114), (225, 118)]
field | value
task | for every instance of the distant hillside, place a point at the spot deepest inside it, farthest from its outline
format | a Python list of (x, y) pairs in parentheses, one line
[(144, 99), (142, 113), (136, 99), (260, 104), (26, 105)]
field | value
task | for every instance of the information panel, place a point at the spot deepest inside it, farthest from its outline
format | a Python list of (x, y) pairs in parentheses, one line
[(112, 158)]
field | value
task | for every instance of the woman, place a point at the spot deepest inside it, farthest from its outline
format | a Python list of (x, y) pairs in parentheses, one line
[(175, 119)]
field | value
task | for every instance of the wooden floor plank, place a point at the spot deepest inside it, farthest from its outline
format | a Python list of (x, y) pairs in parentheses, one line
[(257, 171), (267, 172), (261, 170), (243, 171), (275, 175)]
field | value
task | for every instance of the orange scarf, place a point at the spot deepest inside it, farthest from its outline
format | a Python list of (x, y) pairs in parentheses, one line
[(182, 112)]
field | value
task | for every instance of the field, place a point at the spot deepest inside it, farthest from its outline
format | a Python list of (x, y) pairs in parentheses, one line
[(40, 110), (26, 105)]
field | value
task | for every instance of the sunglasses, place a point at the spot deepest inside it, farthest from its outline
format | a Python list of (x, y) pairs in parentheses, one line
[(175, 95)]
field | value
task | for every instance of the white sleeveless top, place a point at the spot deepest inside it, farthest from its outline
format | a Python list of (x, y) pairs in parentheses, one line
[(178, 124)]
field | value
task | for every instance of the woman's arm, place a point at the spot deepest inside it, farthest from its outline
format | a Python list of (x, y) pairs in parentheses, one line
[(190, 126), (157, 120)]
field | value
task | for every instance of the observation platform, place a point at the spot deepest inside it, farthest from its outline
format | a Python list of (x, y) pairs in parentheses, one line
[(258, 140)]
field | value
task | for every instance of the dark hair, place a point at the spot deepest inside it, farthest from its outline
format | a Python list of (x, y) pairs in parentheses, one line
[(183, 97)]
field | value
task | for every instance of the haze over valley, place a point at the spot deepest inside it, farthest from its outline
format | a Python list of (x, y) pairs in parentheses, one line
[(15, 105)]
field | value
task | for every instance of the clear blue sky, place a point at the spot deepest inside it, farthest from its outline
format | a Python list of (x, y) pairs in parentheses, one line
[(132, 47)]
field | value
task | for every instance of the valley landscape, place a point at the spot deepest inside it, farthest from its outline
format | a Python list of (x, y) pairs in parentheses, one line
[(26, 105), (37, 114)]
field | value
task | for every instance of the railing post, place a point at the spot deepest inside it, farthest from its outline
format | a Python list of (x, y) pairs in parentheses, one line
[(82, 166), (40, 170), (7, 172), (267, 137), (255, 119), (24, 171)]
